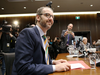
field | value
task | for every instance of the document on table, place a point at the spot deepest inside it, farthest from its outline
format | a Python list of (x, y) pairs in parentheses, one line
[(76, 66)]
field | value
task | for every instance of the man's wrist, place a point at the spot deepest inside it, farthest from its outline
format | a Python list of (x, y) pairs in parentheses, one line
[(53, 68)]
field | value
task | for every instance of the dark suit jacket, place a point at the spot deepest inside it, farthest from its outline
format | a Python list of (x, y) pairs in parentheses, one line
[(64, 39), (30, 55)]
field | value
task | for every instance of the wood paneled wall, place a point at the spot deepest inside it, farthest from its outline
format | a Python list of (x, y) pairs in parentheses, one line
[(87, 22)]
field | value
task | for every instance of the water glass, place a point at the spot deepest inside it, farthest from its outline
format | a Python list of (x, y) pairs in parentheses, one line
[(76, 52), (92, 59), (71, 51)]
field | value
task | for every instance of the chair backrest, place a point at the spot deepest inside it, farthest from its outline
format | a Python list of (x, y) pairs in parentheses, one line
[(9, 59)]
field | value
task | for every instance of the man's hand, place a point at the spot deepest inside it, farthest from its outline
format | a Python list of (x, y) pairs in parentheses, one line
[(73, 34), (10, 35), (62, 67), (66, 33), (55, 62)]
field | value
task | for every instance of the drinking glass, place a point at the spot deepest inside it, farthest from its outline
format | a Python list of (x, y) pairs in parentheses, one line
[(92, 59)]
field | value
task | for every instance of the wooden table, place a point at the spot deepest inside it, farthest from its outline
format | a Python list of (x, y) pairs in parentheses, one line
[(79, 71)]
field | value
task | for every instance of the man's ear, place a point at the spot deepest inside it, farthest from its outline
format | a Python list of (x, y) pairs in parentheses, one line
[(38, 18)]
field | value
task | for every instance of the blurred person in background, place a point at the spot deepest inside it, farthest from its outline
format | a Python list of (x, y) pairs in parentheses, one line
[(32, 25), (7, 39), (56, 46), (84, 45), (93, 44), (67, 36), (3, 68), (51, 42), (15, 30)]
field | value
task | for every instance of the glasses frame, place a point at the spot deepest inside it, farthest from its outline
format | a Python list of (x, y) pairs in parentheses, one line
[(47, 15)]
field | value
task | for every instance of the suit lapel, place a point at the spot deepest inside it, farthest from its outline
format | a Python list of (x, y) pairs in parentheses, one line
[(38, 34)]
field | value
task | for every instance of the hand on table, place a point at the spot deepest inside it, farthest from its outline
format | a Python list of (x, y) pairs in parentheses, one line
[(61, 65)]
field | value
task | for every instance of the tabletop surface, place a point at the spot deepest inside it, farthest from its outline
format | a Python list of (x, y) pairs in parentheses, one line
[(79, 71)]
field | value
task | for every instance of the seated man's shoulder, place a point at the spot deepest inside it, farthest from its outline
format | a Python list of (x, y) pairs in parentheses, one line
[(27, 30)]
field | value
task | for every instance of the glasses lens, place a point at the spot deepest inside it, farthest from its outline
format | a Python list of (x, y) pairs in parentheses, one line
[(48, 15)]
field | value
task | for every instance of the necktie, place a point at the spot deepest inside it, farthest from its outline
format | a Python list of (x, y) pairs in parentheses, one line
[(46, 49)]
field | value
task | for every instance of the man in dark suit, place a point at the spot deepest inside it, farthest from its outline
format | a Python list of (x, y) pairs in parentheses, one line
[(67, 36), (30, 55)]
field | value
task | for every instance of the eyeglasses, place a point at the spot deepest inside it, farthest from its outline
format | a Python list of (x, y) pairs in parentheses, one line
[(47, 15)]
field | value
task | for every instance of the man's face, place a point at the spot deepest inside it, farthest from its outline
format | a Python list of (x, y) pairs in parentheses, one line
[(46, 19), (70, 27)]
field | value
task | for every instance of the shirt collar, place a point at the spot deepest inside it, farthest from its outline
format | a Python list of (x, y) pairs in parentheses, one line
[(40, 31)]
